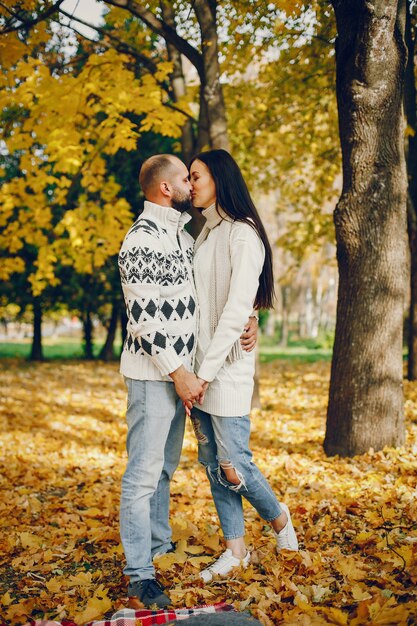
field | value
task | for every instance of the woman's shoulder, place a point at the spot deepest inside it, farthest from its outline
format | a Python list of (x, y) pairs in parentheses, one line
[(247, 230)]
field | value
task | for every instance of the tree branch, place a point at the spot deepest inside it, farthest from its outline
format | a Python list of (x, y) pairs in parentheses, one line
[(22, 17), (122, 46), (164, 30)]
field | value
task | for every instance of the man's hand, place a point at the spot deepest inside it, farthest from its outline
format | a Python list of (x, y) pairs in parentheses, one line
[(189, 405), (250, 335), (187, 385)]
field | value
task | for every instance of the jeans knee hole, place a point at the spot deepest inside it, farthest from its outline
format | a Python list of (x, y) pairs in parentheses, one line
[(223, 480)]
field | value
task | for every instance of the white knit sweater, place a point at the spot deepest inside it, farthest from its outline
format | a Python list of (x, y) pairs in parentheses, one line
[(231, 384), (155, 263)]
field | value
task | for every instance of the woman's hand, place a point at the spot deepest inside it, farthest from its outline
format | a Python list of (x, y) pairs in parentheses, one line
[(204, 385), (250, 335), (189, 405)]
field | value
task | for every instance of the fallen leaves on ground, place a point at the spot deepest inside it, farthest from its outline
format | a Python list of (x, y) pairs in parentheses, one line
[(62, 458)]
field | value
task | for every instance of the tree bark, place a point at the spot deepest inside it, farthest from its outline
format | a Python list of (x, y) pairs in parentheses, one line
[(107, 351), (366, 395), (203, 137), (36, 353), (178, 82), (205, 11), (410, 106)]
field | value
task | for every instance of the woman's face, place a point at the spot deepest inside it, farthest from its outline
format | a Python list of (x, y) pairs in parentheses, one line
[(203, 192)]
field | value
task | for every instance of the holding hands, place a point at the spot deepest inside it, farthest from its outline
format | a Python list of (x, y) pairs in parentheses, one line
[(191, 388), (186, 384)]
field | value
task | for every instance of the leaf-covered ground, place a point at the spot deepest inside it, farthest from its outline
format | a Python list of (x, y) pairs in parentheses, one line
[(62, 457)]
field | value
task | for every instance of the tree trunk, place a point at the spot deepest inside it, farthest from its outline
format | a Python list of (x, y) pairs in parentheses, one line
[(188, 146), (212, 92), (203, 142), (178, 82), (206, 62), (203, 137), (285, 327), (412, 316), (36, 353), (410, 105), (107, 351), (366, 395), (271, 324), (88, 334), (309, 313)]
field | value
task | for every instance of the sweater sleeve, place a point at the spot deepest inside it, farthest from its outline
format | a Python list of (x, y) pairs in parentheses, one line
[(247, 258), (141, 275)]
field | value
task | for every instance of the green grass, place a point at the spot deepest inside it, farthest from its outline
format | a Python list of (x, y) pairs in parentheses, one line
[(72, 349), (52, 349), (294, 353)]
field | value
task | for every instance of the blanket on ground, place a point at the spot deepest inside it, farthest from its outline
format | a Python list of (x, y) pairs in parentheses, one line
[(143, 617)]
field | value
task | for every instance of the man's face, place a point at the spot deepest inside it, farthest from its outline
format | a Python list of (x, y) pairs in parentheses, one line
[(180, 188)]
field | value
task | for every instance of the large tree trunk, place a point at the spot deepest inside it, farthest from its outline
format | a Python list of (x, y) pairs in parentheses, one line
[(410, 102), (36, 353), (107, 351), (366, 395), (212, 92)]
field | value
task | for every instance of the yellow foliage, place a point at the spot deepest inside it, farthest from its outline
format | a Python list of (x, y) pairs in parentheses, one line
[(66, 124), (64, 449)]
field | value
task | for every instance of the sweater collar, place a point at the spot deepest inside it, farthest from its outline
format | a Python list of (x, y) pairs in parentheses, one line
[(166, 216), (213, 216)]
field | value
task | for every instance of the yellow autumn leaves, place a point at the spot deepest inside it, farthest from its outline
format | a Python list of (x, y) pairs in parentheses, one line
[(62, 457), (63, 128)]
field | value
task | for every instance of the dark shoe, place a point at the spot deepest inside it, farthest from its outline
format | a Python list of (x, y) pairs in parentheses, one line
[(148, 592)]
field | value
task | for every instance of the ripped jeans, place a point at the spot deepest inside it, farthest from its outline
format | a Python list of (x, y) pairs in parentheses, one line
[(224, 441)]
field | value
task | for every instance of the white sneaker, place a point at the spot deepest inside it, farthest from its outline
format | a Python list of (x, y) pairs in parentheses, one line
[(286, 538), (224, 564)]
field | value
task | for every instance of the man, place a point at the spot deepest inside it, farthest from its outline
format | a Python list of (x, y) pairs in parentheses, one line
[(155, 264)]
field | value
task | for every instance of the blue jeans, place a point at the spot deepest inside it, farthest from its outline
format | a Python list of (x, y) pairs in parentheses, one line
[(225, 441), (155, 419)]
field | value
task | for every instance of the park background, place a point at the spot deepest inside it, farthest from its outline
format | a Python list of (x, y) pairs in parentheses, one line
[(90, 90)]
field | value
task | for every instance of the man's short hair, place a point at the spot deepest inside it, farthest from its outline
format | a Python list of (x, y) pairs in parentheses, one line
[(155, 169)]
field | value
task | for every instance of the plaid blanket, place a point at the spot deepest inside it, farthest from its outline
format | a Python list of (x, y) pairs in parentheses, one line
[(144, 617)]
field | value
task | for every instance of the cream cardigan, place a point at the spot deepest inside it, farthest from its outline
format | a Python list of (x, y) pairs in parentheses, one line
[(228, 261)]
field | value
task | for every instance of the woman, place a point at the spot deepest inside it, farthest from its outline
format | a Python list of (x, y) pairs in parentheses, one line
[(233, 274)]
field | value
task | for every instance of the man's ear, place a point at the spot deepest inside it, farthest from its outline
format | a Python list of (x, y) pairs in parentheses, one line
[(165, 189)]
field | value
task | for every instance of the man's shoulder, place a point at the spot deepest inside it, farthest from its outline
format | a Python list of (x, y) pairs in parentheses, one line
[(147, 226)]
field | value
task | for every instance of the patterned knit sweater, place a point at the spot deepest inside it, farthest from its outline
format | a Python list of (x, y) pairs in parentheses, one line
[(155, 263)]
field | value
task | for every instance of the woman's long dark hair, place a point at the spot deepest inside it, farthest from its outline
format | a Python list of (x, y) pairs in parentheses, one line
[(233, 196)]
